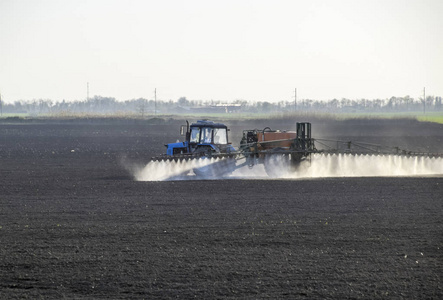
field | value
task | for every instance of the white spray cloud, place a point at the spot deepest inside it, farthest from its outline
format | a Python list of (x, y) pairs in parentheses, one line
[(320, 165), (367, 165), (171, 169)]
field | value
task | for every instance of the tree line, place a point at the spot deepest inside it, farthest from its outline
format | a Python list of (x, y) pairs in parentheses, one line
[(109, 105)]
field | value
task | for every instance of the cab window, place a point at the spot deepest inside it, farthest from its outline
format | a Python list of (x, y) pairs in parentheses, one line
[(206, 135), (220, 136), (195, 135)]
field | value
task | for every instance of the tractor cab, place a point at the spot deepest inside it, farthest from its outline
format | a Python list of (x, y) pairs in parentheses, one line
[(206, 132), (202, 136)]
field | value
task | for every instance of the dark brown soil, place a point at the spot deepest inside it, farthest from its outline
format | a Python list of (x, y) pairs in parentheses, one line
[(74, 224)]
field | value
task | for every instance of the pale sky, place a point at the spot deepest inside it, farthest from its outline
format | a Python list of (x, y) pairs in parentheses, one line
[(221, 50)]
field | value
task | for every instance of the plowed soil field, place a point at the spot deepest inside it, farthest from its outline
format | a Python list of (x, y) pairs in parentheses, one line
[(74, 223)]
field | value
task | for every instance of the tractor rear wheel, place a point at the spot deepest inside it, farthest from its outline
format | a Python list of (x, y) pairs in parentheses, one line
[(213, 167)]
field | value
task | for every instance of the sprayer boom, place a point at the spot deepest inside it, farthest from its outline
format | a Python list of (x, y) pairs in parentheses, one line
[(206, 146)]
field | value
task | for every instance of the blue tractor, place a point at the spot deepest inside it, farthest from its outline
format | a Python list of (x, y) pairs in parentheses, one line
[(204, 138), (207, 143)]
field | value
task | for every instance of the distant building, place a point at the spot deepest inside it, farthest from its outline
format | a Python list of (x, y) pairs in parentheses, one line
[(218, 108)]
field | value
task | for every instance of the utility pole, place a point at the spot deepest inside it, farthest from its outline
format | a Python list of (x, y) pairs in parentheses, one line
[(87, 91), (424, 100), (1, 108), (155, 101), (144, 107), (295, 99)]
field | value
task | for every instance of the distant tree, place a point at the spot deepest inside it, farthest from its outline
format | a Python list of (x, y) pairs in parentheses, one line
[(438, 103), (430, 101), (182, 101), (266, 106)]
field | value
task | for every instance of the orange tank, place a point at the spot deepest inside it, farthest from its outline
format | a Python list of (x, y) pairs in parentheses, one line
[(282, 139)]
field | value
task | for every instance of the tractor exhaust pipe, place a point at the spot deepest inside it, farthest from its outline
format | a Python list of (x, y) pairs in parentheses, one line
[(185, 133), (188, 134)]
